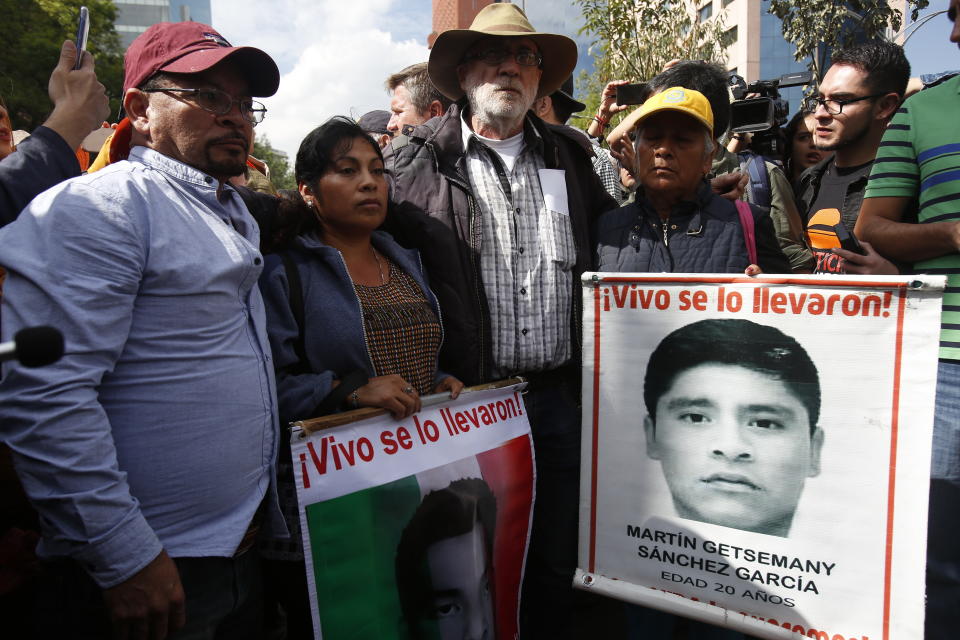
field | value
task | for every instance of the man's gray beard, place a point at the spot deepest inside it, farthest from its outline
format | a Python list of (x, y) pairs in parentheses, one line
[(488, 107)]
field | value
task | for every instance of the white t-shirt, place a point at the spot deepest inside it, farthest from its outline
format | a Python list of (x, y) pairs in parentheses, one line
[(508, 150)]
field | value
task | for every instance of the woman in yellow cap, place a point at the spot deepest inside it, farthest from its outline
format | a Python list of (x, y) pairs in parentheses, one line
[(677, 223)]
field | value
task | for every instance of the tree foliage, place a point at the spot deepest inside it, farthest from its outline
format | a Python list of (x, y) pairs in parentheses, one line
[(281, 174), (635, 38), (32, 32), (816, 26)]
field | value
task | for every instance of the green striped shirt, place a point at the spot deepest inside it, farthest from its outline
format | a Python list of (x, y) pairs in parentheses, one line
[(920, 158)]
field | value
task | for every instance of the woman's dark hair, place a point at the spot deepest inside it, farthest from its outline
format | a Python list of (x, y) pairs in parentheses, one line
[(789, 131), (317, 154), (323, 145)]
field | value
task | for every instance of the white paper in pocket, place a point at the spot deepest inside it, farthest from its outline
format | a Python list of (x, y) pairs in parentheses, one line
[(553, 185)]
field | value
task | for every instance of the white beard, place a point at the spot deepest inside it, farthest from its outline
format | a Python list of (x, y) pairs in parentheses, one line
[(493, 106)]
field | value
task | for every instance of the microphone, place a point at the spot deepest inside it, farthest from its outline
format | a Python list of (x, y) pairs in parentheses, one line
[(33, 347)]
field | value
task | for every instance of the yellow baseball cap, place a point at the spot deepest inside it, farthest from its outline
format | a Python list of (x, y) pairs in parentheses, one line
[(693, 103)]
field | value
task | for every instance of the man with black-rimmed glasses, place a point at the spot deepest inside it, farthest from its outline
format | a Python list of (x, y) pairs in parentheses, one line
[(855, 101), (149, 449)]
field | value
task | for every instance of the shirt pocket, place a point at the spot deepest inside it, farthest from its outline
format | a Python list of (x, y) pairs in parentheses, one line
[(556, 234)]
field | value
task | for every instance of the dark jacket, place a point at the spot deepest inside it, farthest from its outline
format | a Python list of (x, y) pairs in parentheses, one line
[(434, 210), (263, 207), (41, 161), (809, 186), (334, 339), (705, 236)]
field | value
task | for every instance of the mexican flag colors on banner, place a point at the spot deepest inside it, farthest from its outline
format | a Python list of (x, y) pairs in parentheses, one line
[(418, 528)]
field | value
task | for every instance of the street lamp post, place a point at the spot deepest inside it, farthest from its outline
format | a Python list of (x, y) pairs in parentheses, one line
[(915, 26)]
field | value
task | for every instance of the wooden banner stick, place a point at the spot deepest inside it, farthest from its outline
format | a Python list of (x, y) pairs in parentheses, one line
[(337, 419)]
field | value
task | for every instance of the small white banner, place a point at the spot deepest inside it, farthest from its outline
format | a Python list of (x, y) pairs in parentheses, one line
[(418, 528)]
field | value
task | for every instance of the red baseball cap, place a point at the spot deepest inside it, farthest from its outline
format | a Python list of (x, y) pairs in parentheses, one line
[(192, 47)]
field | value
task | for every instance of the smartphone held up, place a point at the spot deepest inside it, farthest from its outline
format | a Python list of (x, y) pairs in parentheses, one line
[(83, 33)]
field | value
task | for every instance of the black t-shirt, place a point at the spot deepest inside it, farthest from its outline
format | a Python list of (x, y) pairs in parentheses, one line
[(834, 184), (825, 213)]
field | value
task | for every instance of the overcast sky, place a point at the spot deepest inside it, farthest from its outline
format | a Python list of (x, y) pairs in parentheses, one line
[(334, 55)]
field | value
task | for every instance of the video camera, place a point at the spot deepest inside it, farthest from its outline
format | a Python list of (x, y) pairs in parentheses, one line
[(762, 115)]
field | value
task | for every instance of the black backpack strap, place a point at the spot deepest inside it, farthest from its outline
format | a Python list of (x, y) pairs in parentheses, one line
[(296, 307), (336, 398), (263, 208), (756, 167)]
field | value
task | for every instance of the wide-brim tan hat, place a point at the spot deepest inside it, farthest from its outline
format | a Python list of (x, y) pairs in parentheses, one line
[(500, 19)]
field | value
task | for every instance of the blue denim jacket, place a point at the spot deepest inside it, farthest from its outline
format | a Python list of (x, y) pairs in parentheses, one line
[(334, 338)]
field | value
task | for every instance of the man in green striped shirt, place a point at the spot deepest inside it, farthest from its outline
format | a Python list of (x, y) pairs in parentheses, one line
[(911, 213)]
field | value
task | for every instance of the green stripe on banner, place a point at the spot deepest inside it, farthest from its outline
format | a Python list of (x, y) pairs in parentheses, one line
[(354, 540)]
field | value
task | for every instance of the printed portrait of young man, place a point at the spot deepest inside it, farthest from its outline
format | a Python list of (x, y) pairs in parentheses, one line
[(732, 416)]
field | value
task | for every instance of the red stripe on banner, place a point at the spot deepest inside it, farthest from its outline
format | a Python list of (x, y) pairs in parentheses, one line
[(832, 282), (892, 482), (508, 470), (596, 428)]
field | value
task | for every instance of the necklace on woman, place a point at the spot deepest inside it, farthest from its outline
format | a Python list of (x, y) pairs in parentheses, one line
[(379, 267)]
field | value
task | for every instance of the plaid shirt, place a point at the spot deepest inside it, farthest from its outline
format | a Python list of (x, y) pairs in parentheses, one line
[(603, 166), (527, 255)]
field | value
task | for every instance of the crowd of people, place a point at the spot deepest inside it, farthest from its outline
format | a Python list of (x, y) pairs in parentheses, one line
[(433, 245)]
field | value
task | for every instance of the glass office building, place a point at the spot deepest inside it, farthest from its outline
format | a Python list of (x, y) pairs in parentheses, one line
[(195, 10), (134, 16), (561, 17), (760, 52), (776, 55)]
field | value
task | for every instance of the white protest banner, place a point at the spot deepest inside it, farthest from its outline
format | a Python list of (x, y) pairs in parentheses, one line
[(756, 451), (418, 528)]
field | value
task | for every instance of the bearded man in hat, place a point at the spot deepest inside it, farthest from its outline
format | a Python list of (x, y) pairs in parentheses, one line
[(500, 205), (148, 449)]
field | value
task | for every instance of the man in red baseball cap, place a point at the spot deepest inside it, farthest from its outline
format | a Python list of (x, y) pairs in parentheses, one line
[(192, 47), (149, 449)]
